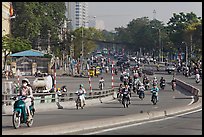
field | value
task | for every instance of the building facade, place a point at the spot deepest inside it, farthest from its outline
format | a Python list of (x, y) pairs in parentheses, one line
[(6, 29), (77, 13)]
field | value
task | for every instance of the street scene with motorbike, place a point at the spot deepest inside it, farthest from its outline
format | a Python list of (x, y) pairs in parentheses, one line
[(61, 75)]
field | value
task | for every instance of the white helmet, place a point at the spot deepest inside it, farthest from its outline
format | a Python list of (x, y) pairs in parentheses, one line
[(26, 80)]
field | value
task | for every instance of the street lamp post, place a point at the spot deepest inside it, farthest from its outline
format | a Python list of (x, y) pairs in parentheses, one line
[(186, 53), (160, 46)]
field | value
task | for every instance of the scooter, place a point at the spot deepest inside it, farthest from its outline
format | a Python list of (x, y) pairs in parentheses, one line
[(154, 97), (125, 100), (162, 85), (146, 85), (19, 113), (79, 102), (197, 78), (173, 86), (141, 94)]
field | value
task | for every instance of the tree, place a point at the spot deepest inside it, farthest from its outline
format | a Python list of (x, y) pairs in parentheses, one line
[(33, 18), (13, 45), (185, 28), (90, 36)]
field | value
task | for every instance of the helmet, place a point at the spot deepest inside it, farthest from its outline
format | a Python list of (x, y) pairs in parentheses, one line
[(155, 77), (25, 80), (58, 89), (154, 84), (141, 84), (81, 85)]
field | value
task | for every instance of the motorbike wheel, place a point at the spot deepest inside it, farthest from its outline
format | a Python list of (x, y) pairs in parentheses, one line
[(30, 123), (77, 104), (154, 100), (141, 96), (125, 103), (16, 120)]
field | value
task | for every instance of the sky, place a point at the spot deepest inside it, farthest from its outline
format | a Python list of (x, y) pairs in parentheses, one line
[(119, 14)]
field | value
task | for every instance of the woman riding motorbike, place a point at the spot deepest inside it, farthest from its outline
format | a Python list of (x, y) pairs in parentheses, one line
[(26, 90)]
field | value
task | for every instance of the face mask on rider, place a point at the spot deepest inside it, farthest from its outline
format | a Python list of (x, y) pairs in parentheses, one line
[(24, 84)]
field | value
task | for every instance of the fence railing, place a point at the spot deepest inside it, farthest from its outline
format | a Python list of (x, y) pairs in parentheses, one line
[(54, 97)]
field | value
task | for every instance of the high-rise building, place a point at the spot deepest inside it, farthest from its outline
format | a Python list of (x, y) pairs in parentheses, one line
[(77, 13)]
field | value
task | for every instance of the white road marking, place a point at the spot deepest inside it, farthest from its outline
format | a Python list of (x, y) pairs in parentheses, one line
[(137, 124), (191, 100)]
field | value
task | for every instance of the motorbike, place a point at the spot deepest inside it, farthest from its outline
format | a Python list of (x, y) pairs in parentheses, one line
[(197, 78), (173, 86), (19, 112), (79, 102), (121, 78), (162, 85), (134, 88), (141, 94), (146, 85), (119, 96), (154, 97), (116, 72), (101, 85), (125, 100)]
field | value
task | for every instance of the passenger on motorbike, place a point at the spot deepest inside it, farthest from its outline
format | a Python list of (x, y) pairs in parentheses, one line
[(26, 90), (126, 90), (155, 88), (81, 92)]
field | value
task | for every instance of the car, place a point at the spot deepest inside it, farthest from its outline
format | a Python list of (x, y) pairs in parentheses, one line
[(170, 68)]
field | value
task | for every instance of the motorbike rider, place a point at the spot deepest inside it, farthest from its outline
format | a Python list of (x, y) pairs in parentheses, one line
[(102, 81), (81, 92), (130, 82), (125, 79), (26, 90), (155, 88), (141, 87), (173, 81), (162, 80), (155, 81), (135, 83), (126, 90), (197, 75)]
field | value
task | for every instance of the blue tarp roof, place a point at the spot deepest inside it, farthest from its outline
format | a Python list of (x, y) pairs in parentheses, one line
[(28, 53)]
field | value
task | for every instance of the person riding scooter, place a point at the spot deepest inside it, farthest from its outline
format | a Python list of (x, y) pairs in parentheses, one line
[(26, 90), (162, 82)]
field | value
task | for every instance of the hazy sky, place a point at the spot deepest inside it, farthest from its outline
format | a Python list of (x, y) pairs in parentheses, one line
[(116, 14)]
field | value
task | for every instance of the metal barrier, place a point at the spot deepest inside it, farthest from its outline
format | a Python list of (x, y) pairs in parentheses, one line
[(53, 97)]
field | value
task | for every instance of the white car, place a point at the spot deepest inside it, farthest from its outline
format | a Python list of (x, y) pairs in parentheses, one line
[(170, 68)]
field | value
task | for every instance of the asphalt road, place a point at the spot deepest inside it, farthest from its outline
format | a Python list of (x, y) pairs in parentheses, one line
[(185, 124), (167, 99)]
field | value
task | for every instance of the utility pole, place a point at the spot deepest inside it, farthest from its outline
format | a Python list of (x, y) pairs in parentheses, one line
[(39, 41), (48, 48), (160, 46)]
